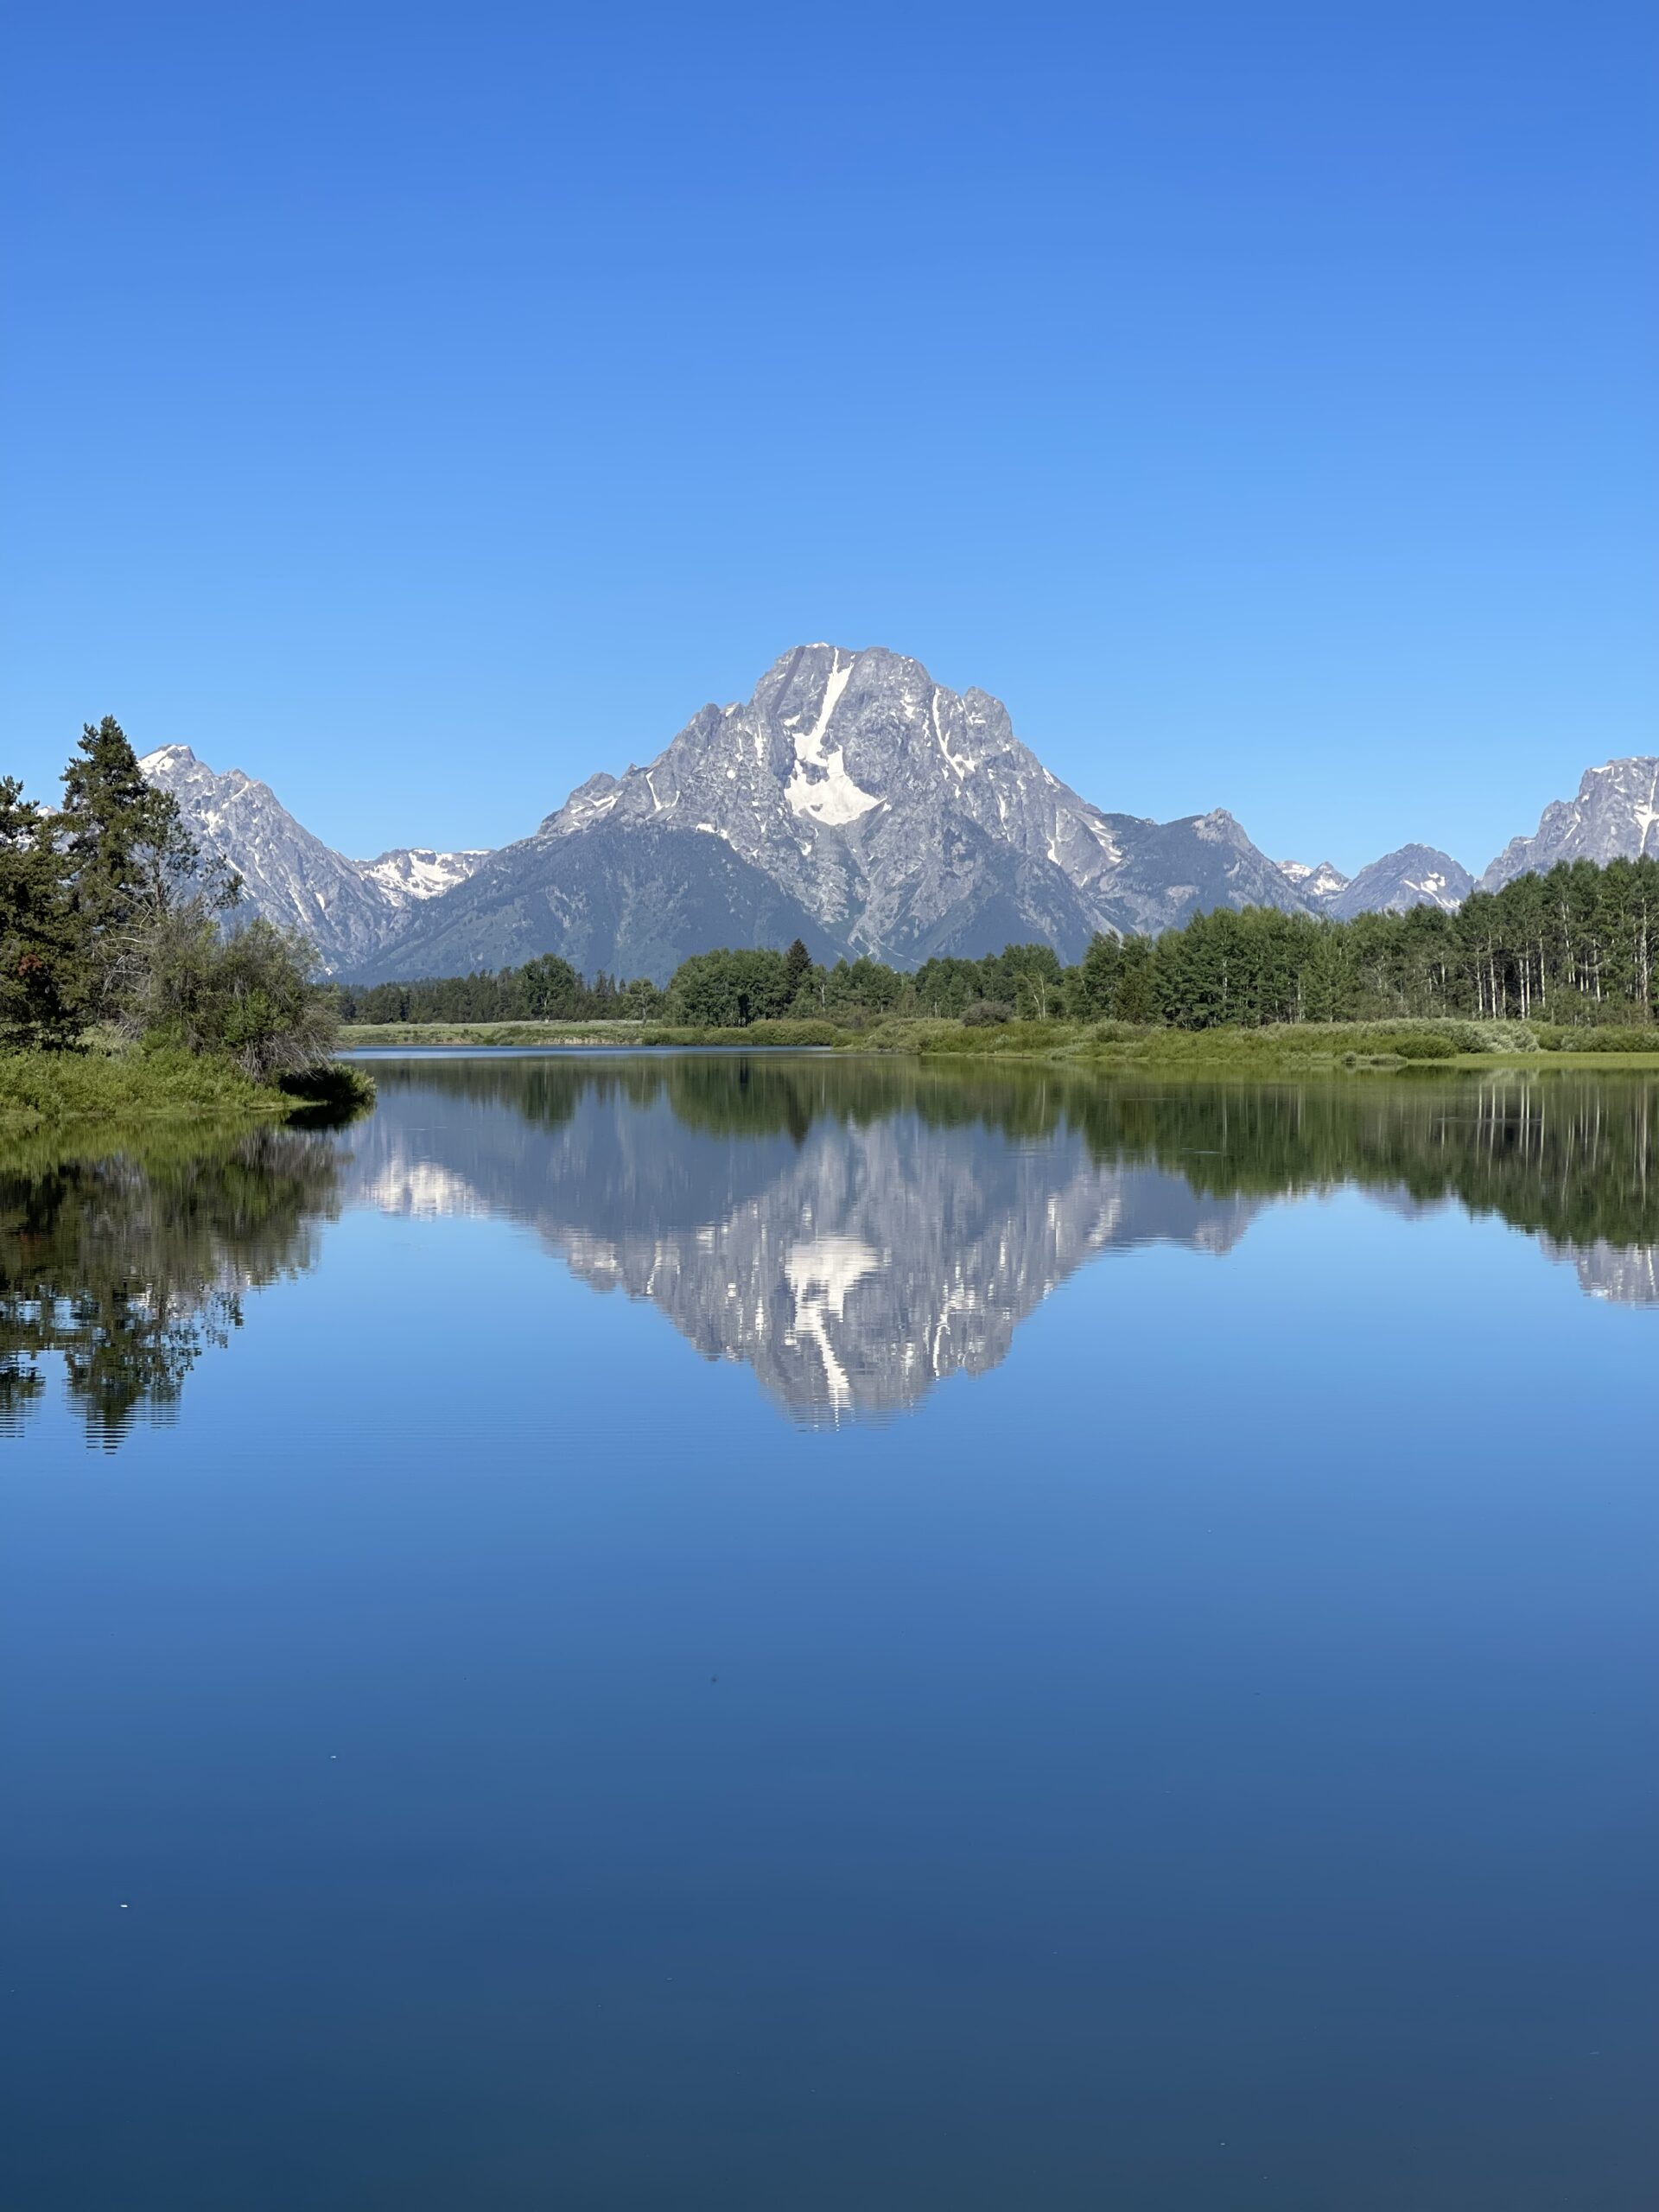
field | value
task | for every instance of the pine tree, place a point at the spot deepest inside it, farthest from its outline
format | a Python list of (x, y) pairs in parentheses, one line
[(129, 855), (42, 965), (798, 966)]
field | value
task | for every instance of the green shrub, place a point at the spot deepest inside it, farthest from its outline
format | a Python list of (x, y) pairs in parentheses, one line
[(1596, 1039), (784, 1030), (333, 1093), (43, 1089), (983, 1013), (248, 997), (1425, 1045)]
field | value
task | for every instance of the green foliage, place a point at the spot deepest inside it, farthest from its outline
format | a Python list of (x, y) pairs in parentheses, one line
[(43, 966), (1572, 949), (544, 989), (127, 1257), (45, 1090), (249, 996), (982, 1014), (1593, 1037), (729, 990), (129, 859), (329, 1095), (1425, 1045), (797, 966), (109, 913)]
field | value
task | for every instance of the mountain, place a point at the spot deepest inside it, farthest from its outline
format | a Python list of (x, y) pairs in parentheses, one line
[(416, 872), (851, 801), (349, 909), (1613, 817), (1318, 885), (1416, 875)]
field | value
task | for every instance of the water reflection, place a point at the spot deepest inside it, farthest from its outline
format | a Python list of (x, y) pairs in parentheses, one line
[(128, 1263), (855, 1231)]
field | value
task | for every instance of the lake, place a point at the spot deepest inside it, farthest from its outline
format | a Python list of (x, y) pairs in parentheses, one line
[(787, 1632)]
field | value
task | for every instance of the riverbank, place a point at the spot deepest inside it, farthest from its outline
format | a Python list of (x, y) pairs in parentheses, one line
[(54, 1089), (1103, 1044)]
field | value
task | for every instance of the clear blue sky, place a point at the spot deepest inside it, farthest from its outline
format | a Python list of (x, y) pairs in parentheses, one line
[(422, 406)]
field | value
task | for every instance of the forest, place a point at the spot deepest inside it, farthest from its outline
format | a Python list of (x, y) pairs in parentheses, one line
[(1572, 947)]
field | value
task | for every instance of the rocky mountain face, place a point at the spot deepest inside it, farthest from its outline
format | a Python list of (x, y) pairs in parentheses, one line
[(351, 910), (851, 801), (1415, 875), (413, 872), (1318, 884), (1615, 816)]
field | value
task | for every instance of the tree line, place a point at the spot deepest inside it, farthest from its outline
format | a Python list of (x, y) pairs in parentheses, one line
[(1571, 946), (723, 989), (543, 989), (112, 919)]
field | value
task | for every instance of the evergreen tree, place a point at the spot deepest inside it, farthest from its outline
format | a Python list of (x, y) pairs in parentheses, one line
[(42, 968), (797, 966), (130, 858)]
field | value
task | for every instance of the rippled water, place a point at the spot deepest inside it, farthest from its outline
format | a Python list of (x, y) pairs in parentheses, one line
[(1061, 1644)]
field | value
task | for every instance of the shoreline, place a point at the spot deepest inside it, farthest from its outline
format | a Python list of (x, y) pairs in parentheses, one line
[(1105, 1048), (44, 1091)]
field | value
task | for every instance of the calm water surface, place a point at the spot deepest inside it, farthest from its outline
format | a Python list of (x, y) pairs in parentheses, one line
[(786, 1633)]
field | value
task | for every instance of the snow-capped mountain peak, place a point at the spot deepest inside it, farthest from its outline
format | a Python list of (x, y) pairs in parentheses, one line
[(1415, 875), (901, 818), (349, 909), (1318, 883), (417, 872), (850, 800)]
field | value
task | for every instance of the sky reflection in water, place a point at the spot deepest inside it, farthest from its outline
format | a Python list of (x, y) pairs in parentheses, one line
[(1182, 1741), (854, 1232)]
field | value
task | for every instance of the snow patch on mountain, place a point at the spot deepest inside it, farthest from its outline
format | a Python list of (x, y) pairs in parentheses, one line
[(417, 872), (1614, 817), (350, 910), (820, 785), (1415, 875), (1319, 882)]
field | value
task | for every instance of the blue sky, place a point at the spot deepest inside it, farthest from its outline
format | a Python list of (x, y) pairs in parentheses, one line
[(422, 406)]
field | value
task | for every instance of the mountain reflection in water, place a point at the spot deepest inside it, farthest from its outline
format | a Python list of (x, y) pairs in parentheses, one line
[(855, 1231)]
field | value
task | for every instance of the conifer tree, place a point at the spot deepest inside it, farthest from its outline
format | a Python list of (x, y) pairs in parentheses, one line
[(42, 967)]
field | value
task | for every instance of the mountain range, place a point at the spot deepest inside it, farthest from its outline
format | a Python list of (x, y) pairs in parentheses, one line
[(849, 801)]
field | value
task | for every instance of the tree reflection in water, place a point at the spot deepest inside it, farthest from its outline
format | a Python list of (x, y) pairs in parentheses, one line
[(129, 1260), (854, 1230)]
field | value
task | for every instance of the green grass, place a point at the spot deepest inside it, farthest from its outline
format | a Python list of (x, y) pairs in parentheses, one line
[(358, 1033), (1340, 1045), (629, 1034), (56, 1089)]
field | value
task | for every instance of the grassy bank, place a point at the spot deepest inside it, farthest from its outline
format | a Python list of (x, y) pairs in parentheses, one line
[(1106, 1045), (1282, 1047), (58, 1089), (359, 1034), (362, 1034)]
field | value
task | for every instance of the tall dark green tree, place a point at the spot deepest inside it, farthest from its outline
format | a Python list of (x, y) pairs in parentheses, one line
[(130, 859), (43, 971), (797, 966)]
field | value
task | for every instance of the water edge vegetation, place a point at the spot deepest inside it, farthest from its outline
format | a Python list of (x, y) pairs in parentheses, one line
[(123, 994)]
